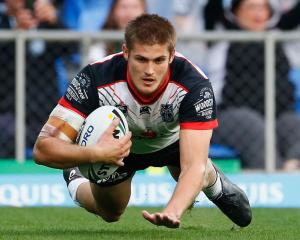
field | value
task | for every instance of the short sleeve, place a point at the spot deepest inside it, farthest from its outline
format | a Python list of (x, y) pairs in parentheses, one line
[(198, 108), (81, 93)]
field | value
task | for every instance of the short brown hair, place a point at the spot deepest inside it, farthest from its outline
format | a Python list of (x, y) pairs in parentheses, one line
[(150, 29)]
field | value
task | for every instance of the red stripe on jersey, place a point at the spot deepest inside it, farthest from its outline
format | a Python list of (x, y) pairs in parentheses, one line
[(66, 104), (199, 125), (142, 100), (109, 85), (179, 85)]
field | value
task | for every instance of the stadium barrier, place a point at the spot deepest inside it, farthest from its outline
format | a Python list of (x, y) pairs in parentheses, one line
[(22, 38), (30, 185)]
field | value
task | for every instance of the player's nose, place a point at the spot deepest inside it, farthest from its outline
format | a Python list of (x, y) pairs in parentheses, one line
[(149, 70)]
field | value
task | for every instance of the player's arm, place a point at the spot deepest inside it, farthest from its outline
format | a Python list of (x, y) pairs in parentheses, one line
[(54, 146), (194, 145)]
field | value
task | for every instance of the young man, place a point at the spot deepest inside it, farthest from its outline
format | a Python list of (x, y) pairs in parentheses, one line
[(170, 109)]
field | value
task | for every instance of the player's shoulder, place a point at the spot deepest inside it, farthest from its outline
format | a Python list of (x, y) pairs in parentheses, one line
[(108, 69), (183, 70), (110, 59)]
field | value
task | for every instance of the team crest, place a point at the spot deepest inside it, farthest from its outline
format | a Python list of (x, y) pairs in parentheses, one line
[(166, 112)]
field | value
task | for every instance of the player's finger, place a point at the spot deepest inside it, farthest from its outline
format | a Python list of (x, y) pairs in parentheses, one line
[(149, 217), (171, 222), (126, 138), (120, 162), (127, 146), (112, 126), (126, 153)]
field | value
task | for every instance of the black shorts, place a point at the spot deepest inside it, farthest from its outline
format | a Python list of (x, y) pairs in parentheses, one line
[(168, 156)]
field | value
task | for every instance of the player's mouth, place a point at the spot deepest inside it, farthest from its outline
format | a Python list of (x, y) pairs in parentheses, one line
[(148, 81)]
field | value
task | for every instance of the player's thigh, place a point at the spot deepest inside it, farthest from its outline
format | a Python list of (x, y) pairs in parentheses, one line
[(113, 198)]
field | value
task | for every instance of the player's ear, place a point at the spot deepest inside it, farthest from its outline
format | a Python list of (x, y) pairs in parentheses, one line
[(172, 55), (125, 51)]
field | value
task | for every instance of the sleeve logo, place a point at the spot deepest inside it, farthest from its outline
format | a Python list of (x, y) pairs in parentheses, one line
[(204, 106)]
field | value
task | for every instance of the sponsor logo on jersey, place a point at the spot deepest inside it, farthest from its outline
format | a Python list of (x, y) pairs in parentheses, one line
[(149, 133), (113, 177), (77, 88), (204, 107), (145, 110), (72, 173), (166, 112)]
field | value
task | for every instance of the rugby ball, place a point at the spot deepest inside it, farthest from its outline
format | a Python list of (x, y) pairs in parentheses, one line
[(91, 130)]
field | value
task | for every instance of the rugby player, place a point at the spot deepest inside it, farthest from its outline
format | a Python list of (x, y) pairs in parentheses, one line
[(170, 108)]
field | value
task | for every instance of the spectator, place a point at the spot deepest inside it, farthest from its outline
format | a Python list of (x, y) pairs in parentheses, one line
[(188, 18), (121, 12), (7, 89), (41, 85), (241, 99), (218, 14), (85, 15)]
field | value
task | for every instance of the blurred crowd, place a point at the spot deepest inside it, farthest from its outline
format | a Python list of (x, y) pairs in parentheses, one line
[(236, 69)]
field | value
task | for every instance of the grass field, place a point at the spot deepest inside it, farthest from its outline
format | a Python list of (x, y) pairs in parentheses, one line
[(200, 223)]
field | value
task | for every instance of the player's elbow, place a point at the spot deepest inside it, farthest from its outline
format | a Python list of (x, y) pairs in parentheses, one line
[(38, 154)]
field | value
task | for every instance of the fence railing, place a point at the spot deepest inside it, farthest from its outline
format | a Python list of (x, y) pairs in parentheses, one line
[(86, 38)]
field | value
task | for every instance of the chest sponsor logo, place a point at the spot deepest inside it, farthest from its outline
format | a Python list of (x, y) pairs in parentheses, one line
[(145, 110), (166, 112), (149, 133)]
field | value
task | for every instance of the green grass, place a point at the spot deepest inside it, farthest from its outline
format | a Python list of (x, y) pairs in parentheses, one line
[(75, 223)]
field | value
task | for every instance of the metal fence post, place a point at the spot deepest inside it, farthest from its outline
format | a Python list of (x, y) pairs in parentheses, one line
[(270, 106), (20, 97)]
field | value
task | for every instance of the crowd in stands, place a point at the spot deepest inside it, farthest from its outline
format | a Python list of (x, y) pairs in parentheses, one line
[(235, 69)]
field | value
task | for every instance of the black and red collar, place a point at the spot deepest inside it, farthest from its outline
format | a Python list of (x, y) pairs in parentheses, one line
[(142, 100)]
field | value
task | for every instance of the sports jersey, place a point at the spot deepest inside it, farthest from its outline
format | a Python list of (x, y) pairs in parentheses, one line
[(185, 100)]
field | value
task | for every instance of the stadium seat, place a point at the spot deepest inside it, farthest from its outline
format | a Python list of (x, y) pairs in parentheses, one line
[(221, 151), (295, 79)]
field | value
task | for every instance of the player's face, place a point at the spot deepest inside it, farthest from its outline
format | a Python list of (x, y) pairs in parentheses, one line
[(148, 66)]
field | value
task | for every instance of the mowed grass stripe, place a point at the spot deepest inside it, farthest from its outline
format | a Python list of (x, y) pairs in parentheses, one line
[(200, 223)]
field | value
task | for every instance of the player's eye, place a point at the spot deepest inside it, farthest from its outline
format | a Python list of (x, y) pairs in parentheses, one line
[(142, 60), (159, 60)]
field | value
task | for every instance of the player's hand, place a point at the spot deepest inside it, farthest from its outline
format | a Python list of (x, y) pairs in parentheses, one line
[(162, 219), (110, 150)]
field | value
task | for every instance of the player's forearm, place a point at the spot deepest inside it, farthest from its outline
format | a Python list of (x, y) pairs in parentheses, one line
[(189, 185), (56, 153)]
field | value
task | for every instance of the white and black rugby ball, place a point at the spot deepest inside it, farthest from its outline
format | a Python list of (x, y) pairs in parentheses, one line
[(92, 129)]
